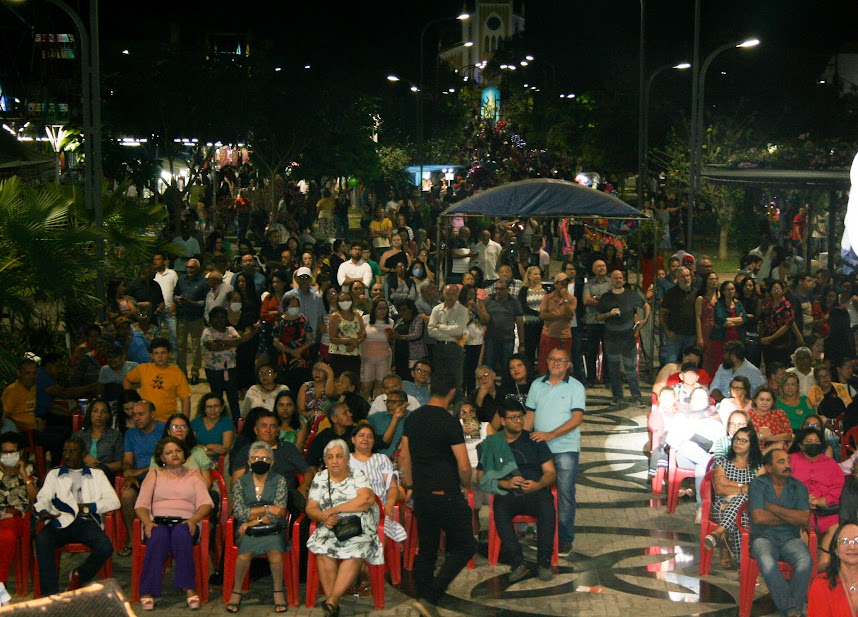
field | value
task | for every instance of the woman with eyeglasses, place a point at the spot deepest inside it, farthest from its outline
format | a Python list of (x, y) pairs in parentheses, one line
[(732, 478), (263, 393), (260, 498), (179, 427), (834, 591), (739, 399)]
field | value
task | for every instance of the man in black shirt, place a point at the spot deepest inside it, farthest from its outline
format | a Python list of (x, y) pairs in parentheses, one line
[(678, 320), (524, 490), (434, 463)]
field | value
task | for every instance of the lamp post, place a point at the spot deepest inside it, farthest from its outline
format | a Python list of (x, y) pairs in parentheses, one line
[(641, 105), (643, 140), (421, 88), (91, 102), (697, 128)]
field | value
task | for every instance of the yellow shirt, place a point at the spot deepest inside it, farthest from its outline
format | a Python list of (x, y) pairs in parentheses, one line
[(19, 403), (378, 227), (162, 386)]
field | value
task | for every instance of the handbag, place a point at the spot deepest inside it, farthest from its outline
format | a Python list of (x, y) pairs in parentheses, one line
[(347, 527), (267, 529)]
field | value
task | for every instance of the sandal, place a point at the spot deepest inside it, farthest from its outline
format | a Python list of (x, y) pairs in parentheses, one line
[(329, 610), (194, 602), (234, 607), (710, 542), (147, 604), (278, 607), (124, 551)]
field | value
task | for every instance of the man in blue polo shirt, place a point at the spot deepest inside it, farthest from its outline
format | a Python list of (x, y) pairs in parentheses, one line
[(779, 506), (555, 410)]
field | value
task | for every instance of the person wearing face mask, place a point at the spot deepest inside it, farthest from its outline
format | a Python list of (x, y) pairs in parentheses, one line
[(17, 492), (259, 498), (293, 337), (347, 332), (822, 476), (219, 342)]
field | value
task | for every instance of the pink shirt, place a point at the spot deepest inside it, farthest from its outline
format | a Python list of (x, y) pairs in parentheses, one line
[(173, 496), (823, 478)]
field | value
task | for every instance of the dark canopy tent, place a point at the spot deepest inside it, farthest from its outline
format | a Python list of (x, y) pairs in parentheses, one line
[(543, 198)]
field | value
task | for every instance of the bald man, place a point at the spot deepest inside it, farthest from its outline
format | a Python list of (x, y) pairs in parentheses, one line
[(447, 324)]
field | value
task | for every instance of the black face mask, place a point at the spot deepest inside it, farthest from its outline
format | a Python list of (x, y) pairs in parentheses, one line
[(813, 449), (260, 468)]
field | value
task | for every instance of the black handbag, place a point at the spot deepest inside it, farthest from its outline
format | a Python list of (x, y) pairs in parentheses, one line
[(347, 527), (268, 529)]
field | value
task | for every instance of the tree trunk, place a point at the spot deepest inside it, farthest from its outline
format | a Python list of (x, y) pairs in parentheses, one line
[(722, 241)]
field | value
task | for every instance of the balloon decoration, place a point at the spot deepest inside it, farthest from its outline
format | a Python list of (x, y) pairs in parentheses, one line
[(353, 182)]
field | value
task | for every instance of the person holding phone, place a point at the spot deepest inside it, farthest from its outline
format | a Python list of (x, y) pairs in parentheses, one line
[(618, 310)]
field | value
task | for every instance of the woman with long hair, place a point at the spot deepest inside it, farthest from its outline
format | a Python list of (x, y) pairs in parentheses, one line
[(822, 309), (790, 399), (103, 444), (776, 322), (732, 478), (832, 592), (269, 312), (119, 303), (293, 426), (394, 255), (748, 294), (329, 301), (376, 353), (251, 306), (347, 332), (772, 424), (212, 427), (292, 340), (530, 298), (704, 318), (729, 325), (409, 335)]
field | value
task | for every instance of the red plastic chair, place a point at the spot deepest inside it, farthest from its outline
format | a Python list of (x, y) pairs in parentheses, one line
[(290, 578), (220, 531), (376, 573), (312, 435), (601, 361), (23, 554), (106, 570), (120, 534), (707, 525), (201, 561), (675, 476), (77, 421), (849, 443), (749, 570), (495, 541)]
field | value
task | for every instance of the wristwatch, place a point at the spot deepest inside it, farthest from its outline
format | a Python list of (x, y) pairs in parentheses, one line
[(267, 512)]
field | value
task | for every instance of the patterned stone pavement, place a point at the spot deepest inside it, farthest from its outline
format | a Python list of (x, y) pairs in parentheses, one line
[(630, 557)]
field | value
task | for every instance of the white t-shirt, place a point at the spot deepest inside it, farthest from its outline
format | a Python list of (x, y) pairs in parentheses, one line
[(167, 280)]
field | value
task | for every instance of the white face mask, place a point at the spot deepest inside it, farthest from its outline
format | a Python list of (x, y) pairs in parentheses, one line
[(293, 311), (11, 459), (345, 305), (235, 306)]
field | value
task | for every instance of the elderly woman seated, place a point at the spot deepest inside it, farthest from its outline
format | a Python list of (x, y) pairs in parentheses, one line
[(339, 498), (260, 508)]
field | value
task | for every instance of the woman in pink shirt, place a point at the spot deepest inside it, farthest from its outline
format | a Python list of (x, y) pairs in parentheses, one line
[(173, 500), (820, 474)]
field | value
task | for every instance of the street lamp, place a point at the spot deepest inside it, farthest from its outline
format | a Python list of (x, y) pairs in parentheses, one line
[(421, 87), (697, 128), (643, 137)]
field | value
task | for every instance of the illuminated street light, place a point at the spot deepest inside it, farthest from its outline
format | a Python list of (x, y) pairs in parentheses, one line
[(392, 78), (415, 89), (468, 44), (529, 58)]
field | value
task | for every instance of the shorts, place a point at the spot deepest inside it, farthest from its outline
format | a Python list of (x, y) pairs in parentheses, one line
[(374, 369)]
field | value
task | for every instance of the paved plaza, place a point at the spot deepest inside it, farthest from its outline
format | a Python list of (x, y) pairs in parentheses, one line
[(629, 558)]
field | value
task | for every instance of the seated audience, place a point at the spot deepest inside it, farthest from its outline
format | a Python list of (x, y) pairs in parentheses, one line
[(822, 476)]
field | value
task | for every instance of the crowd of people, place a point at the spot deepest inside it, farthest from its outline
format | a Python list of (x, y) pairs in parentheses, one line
[(344, 380)]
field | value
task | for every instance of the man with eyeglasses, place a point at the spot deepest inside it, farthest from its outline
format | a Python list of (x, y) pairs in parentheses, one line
[(519, 472), (734, 365), (287, 459), (391, 383), (779, 506), (388, 426), (555, 411), (419, 388)]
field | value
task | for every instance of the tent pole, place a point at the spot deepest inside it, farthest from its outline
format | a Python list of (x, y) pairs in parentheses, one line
[(441, 264), (654, 312)]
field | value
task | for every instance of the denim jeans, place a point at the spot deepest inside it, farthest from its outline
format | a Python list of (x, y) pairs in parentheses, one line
[(220, 385), (498, 352), (539, 505), (622, 352), (83, 530), (788, 597), (435, 513), (169, 321), (566, 464), (671, 349)]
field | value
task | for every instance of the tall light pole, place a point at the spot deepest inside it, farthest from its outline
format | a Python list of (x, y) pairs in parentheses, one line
[(420, 88), (643, 139), (695, 73), (641, 105), (91, 102), (697, 125)]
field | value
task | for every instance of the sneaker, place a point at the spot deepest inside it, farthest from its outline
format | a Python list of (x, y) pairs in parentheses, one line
[(616, 402), (545, 573), (518, 573), (74, 581), (564, 548), (639, 403), (195, 380)]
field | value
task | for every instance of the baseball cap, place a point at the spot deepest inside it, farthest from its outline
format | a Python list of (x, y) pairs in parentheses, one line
[(687, 260), (303, 271)]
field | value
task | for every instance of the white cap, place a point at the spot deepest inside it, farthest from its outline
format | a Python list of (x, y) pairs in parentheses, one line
[(303, 271)]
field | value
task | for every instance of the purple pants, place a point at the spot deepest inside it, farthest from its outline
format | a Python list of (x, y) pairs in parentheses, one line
[(177, 541)]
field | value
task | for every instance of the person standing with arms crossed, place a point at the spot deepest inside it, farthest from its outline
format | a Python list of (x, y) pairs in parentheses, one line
[(434, 463)]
